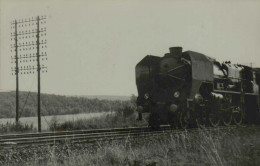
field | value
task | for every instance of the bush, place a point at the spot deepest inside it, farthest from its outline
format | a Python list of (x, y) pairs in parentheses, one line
[(123, 117), (13, 127), (126, 112)]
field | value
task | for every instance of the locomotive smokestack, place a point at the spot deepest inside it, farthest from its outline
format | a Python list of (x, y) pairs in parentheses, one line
[(176, 51)]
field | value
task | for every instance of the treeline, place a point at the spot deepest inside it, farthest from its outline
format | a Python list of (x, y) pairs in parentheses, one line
[(56, 104)]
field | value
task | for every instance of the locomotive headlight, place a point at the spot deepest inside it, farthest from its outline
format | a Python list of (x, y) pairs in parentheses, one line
[(173, 108), (146, 96), (176, 94), (198, 97)]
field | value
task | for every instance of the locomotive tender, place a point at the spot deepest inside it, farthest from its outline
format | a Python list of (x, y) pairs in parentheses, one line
[(189, 88)]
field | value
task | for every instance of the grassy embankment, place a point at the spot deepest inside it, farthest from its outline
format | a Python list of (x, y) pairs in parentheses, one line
[(218, 147), (14, 128), (123, 117)]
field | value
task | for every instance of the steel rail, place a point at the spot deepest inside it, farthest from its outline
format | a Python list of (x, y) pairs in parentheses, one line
[(84, 136), (23, 135), (62, 137), (6, 140)]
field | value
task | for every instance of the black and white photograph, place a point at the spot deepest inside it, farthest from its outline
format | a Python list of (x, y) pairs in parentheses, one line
[(130, 82)]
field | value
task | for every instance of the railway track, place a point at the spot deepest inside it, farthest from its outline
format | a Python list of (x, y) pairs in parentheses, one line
[(74, 136), (86, 136)]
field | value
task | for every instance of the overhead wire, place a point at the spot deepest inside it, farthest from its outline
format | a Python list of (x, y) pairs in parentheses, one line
[(41, 113), (26, 98)]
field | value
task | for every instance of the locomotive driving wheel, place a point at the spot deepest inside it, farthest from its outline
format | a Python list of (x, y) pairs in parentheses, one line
[(201, 119), (201, 122), (237, 114), (214, 108), (227, 116), (214, 118)]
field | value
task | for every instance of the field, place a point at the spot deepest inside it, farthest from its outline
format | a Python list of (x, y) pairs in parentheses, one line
[(229, 146), (217, 147), (224, 147), (48, 120)]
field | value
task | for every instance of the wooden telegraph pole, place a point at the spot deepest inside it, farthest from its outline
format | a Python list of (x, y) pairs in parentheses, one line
[(30, 42), (39, 76), (17, 76)]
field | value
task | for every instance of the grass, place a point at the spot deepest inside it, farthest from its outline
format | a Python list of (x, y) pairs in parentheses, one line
[(10, 127), (46, 120), (124, 117), (217, 147), (194, 147)]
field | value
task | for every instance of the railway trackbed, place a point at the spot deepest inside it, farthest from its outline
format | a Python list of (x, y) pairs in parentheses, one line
[(87, 136)]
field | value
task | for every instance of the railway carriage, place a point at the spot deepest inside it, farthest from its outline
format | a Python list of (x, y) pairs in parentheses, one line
[(189, 88)]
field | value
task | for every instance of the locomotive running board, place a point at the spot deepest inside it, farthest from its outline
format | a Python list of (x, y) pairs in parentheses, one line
[(222, 91)]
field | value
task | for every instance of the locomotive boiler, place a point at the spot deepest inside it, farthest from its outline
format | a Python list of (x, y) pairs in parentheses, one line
[(189, 88)]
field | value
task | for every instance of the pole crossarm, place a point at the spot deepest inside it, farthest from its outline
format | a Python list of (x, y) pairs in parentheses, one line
[(28, 57), (32, 68), (28, 33), (29, 20), (30, 44)]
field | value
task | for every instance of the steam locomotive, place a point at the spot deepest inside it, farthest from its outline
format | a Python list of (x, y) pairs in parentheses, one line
[(189, 88)]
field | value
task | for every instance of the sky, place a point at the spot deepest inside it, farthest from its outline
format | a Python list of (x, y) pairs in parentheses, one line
[(93, 46)]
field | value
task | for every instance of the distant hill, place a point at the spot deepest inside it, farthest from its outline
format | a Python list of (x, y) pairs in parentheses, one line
[(107, 97), (58, 104)]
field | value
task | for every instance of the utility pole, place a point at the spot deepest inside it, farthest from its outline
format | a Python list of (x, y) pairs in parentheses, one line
[(17, 76), (39, 76), (29, 41)]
